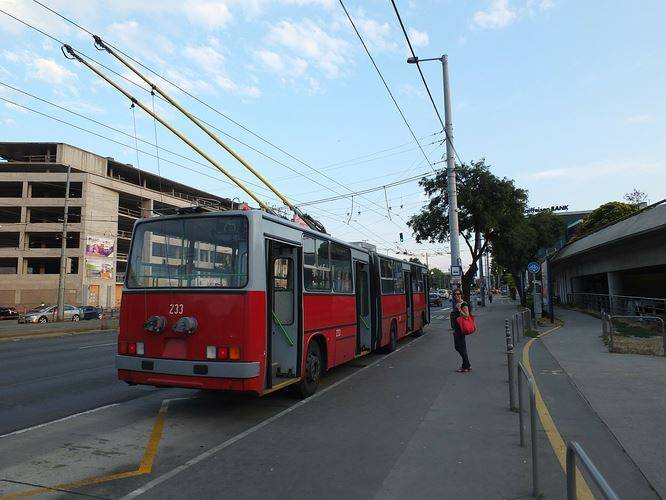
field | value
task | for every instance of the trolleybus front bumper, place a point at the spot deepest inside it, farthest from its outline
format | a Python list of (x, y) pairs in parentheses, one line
[(221, 369)]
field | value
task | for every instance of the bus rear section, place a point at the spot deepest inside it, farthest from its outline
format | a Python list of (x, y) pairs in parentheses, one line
[(189, 317)]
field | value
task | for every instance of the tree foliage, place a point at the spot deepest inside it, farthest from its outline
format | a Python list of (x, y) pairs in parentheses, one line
[(439, 279), (487, 206), (523, 239), (604, 215), (635, 197)]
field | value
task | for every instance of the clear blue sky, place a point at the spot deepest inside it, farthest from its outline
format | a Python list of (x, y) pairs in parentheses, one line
[(565, 97)]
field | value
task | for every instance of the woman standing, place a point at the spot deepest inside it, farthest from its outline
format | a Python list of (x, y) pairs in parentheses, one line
[(461, 309)]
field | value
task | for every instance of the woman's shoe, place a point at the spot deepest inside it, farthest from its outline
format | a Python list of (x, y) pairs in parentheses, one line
[(462, 370)]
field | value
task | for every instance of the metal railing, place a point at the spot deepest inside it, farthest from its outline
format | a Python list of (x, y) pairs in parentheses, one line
[(575, 450), (533, 437), (618, 304), (608, 330), (509, 363)]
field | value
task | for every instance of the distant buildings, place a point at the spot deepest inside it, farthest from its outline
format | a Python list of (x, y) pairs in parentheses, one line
[(106, 198)]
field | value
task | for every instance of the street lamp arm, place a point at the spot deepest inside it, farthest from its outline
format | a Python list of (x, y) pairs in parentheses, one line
[(416, 60)]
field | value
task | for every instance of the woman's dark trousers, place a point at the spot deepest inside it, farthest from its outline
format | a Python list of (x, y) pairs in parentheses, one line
[(461, 347)]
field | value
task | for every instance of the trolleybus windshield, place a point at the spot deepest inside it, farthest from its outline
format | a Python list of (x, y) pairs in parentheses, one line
[(189, 252)]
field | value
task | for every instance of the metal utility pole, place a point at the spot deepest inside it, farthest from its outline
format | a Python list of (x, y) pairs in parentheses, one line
[(451, 168), (482, 280), (63, 258), (450, 163)]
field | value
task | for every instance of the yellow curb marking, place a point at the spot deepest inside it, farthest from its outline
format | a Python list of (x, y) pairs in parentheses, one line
[(145, 467), (583, 491)]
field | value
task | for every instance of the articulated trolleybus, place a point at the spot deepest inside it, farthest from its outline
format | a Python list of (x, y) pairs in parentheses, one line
[(247, 301)]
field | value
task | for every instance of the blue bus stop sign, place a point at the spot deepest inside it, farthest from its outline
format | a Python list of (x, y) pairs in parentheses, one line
[(533, 267)]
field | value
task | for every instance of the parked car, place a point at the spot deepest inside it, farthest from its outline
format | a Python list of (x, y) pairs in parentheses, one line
[(91, 312), (46, 314), (8, 313), (435, 299)]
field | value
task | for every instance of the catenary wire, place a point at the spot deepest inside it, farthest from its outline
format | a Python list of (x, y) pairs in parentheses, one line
[(282, 150), (381, 76)]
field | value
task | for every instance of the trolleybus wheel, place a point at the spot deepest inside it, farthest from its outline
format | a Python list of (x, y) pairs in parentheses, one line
[(313, 368), (394, 338)]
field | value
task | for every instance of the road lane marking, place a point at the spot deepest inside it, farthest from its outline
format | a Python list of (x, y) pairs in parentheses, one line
[(87, 412), (145, 467), (97, 345), (583, 491), (193, 461)]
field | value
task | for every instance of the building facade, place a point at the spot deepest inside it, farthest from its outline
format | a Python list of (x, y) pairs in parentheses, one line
[(105, 198)]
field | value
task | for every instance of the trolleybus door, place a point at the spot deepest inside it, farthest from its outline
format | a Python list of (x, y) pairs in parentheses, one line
[(284, 311), (364, 336), (409, 299)]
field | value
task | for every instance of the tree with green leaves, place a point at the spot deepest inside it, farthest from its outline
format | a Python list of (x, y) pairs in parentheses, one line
[(604, 215), (439, 279), (487, 205), (521, 241)]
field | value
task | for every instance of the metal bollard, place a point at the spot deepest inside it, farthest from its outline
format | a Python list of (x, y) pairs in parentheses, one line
[(533, 428), (509, 362), (513, 330)]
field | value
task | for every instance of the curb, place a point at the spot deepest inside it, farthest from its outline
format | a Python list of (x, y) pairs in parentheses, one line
[(36, 336)]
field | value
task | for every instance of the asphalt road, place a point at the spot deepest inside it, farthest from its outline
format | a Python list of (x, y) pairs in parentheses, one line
[(46, 379)]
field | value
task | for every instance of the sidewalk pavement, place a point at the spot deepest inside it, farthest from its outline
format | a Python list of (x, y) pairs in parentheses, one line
[(627, 391)]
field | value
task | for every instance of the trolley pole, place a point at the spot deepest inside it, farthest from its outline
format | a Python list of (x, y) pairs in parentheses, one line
[(63, 257)]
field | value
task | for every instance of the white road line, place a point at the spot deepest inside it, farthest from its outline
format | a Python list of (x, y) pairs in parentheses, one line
[(97, 345), (21, 431), (164, 477)]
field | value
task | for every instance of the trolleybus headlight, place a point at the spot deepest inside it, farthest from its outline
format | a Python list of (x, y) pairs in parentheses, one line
[(186, 325), (155, 324), (140, 350)]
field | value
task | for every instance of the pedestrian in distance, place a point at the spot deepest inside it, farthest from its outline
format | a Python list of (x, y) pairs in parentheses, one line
[(459, 341), (490, 297)]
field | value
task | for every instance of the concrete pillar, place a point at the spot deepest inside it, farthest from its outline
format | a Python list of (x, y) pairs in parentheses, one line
[(614, 289), (147, 208)]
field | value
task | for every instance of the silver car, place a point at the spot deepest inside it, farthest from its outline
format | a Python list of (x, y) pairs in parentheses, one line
[(46, 314)]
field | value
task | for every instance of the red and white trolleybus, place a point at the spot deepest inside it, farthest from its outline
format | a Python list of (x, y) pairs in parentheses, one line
[(247, 301)]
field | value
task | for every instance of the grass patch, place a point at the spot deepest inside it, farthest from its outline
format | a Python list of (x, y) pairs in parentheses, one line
[(531, 333), (651, 346)]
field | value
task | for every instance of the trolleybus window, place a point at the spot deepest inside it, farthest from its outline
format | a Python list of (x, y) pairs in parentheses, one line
[(398, 277), (283, 290), (189, 252), (386, 271), (317, 264), (342, 268)]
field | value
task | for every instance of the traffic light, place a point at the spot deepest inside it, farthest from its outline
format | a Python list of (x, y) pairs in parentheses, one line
[(401, 238)]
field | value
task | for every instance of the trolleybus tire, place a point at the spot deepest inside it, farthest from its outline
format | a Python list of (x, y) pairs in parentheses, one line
[(391, 346), (313, 369)]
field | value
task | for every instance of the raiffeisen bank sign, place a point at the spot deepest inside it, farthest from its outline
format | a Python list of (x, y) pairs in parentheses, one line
[(558, 208)]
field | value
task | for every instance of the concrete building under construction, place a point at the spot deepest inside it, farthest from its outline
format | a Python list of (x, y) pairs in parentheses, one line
[(105, 198)]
